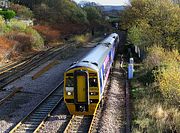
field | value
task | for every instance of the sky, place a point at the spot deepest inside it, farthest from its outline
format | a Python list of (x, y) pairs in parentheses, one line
[(108, 2)]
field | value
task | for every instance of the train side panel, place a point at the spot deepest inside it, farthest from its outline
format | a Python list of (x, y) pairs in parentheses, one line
[(105, 69)]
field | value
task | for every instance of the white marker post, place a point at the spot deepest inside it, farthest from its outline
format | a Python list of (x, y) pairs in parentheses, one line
[(130, 68)]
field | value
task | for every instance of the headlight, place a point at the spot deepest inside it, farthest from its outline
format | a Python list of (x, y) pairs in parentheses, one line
[(93, 93), (69, 93), (69, 90)]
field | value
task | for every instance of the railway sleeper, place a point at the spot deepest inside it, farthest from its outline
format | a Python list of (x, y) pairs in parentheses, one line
[(34, 117), (35, 120), (20, 131), (32, 122), (39, 113), (36, 114), (28, 126), (42, 110), (52, 103)]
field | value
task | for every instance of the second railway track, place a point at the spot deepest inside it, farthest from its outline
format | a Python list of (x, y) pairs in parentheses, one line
[(29, 65), (35, 119)]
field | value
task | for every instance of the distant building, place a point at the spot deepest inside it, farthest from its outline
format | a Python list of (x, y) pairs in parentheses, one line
[(4, 4), (109, 8)]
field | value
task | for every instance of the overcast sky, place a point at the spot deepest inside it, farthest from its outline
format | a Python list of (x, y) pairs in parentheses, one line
[(108, 2)]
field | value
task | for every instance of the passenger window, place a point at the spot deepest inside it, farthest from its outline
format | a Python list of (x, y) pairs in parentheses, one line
[(69, 82), (93, 82)]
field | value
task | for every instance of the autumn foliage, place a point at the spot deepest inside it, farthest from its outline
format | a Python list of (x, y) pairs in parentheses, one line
[(5, 47), (49, 34)]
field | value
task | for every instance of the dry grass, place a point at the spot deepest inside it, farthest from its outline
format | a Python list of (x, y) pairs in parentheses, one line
[(6, 46), (151, 110), (50, 34), (82, 38)]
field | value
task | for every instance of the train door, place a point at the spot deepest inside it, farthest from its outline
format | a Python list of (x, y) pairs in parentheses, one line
[(81, 88), (81, 92)]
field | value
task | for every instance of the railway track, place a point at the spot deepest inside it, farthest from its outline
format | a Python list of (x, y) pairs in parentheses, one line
[(14, 72), (11, 66), (79, 124), (93, 128), (35, 119), (82, 124)]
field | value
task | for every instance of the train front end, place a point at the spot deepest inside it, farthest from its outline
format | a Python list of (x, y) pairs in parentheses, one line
[(81, 90)]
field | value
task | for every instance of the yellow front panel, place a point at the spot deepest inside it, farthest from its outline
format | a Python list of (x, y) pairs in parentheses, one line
[(81, 88), (81, 83)]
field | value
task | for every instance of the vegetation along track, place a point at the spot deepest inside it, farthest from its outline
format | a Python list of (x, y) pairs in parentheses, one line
[(35, 119), (28, 65)]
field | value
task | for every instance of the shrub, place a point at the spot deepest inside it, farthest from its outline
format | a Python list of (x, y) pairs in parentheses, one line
[(37, 41), (82, 38), (168, 79), (49, 34), (166, 72), (155, 57), (5, 47), (7, 14), (16, 25), (2, 25), (21, 11), (23, 41)]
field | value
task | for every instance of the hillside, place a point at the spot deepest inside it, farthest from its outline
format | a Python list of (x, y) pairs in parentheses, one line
[(51, 23)]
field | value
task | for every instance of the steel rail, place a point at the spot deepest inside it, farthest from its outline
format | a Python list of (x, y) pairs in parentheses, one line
[(78, 124), (10, 94), (91, 127), (13, 65), (82, 121), (35, 119), (8, 71), (31, 66)]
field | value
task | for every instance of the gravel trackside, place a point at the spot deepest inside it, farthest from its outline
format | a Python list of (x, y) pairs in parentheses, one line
[(57, 121), (113, 111)]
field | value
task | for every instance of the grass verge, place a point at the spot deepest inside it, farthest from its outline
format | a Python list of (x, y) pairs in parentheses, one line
[(151, 112)]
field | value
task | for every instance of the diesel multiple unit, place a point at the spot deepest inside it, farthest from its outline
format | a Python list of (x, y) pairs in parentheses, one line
[(84, 81)]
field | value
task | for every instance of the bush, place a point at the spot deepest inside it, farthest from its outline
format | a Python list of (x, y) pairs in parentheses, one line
[(5, 47), (2, 25), (82, 38), (50, 35), (7, 14), (21, 11), (26, 41), (23, 41), (167, 72), (158, 56), (155, 57), (16, 25), (168, 80), (37, 41)]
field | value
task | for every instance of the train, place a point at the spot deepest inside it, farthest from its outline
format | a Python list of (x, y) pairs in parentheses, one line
[(85, 80)]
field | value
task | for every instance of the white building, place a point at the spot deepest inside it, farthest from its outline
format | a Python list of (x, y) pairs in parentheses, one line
[(4, 3)]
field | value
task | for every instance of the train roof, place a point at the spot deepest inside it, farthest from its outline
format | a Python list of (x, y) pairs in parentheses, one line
[(96, 57)]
